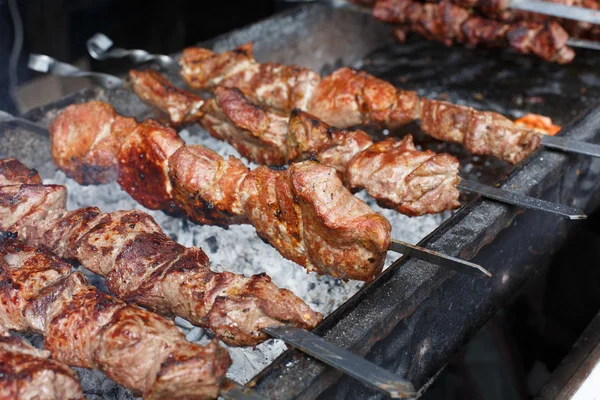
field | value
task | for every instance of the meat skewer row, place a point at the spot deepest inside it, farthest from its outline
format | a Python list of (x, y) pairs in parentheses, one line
[(142, 265), (348, 98), (500, 9), (394, 172), (84, 327), (29, 373), (449, 23)]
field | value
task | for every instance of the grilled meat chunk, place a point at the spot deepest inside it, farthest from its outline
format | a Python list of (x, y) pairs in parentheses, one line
[(317, 222), (281, 87), (85, 327), (29, 373), (193, 196), (448, 23), (176, 106), (207, 186), (348, 98), (142, 265), (308, 137), (428, 180), (258, 135), (481, 132)]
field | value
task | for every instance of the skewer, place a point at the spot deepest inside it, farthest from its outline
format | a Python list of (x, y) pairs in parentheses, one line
[(47, 64), (231, 390), (354, 365)]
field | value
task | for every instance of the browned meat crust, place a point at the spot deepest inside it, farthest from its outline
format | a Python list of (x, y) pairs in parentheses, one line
[(259, 135), (142, 265), (428, 180), (281, 87), (308, 137), (481, 132), (13, 172), (348, 98), (172, 104), (29, 373), (87, 328), (194, 197), (449, 23)]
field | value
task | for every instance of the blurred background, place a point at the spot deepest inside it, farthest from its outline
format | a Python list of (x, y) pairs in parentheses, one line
[(511, 358)]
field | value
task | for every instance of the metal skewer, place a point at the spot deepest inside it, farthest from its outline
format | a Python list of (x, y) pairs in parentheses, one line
[(47, 64), (557, 10), (353, 365)]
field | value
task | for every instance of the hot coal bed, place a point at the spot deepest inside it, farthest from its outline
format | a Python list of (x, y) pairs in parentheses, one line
[(415, 315)]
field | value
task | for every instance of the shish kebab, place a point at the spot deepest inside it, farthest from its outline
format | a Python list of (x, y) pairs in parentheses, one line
[(448, 22), (184, 107), (501, 10), (344, 99), (521, 31), (142, 265), (28, 373)]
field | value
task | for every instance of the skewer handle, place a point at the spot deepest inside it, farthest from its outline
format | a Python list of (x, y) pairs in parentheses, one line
[(100, 48), (440, 259), (345, 361), (49, 65), (521, 200)]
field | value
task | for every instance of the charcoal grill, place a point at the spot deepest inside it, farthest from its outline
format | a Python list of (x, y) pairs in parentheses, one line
[(415, 315)]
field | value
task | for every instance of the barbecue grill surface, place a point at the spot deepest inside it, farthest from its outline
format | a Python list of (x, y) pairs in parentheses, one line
[(415, 315)]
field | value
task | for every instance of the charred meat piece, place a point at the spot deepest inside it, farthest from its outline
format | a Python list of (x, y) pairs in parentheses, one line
[(349, 98), (29, 373), (481, 132), (176, 106), (309, 137), (258, 135), (279, 86), (194, 197), (142, 265), (449, 23), (207, 186), (87, 328), (401, 177)]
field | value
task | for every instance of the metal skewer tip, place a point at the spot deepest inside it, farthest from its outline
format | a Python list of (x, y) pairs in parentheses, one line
[(571, 146), (440, 259), (231, 390), (521, 200), (353, 365)]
